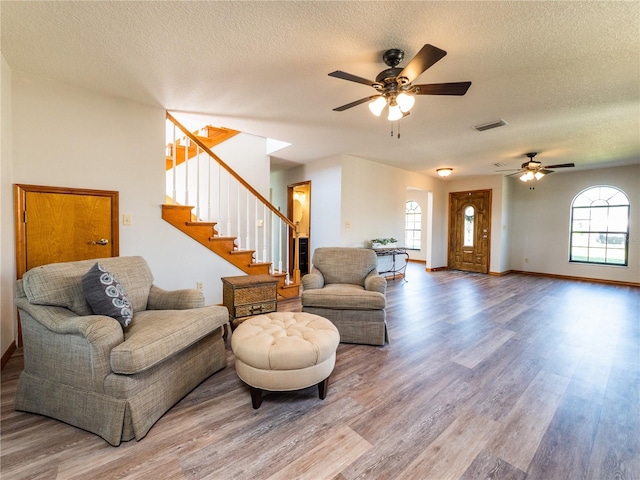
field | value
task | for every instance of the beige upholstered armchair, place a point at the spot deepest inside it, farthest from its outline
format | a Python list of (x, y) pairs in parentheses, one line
[(112, 374), (345, 287)]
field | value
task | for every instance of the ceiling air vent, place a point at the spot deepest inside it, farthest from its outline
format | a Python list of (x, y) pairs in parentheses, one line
[(490, 125)]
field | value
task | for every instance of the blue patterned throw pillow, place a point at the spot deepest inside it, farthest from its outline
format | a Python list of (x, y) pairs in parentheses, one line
[(106, 296)]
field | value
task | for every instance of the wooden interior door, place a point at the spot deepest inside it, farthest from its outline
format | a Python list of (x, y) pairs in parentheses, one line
[(470, 230), (56, 224)]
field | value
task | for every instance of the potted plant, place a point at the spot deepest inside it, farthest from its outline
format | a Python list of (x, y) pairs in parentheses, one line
[(384, 243)]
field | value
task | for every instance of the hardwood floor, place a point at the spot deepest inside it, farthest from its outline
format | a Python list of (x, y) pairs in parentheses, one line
[(513, 377)]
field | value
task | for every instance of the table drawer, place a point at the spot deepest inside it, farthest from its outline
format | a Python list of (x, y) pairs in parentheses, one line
[(254, 309), (254, 294)]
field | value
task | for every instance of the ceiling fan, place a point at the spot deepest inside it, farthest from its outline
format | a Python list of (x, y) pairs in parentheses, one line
[(394, 85), (533, 169)]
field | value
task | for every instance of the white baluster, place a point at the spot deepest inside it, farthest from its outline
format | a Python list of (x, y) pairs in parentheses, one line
[(198, 182), (264, 233), (256, 241), (186, 171), (239, 234), (248, 220), (280, 248), (273, 246), (174, 195), (228, 205)]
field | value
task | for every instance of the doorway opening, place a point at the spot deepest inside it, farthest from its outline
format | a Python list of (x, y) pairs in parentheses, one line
[(299, 212)]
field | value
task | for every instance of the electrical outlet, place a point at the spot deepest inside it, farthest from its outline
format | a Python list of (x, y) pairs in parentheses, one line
[(260, 223), (200, 286)]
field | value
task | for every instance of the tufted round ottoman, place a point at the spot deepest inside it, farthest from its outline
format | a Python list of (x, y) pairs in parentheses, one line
[(283, 351)]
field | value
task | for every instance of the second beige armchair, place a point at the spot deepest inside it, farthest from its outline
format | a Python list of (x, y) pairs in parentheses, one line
[(345, 287)]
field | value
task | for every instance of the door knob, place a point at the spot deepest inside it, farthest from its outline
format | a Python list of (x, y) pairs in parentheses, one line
[(102, 241)]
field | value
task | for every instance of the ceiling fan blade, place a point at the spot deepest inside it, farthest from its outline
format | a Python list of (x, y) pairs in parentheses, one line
[(425, 58), (512, 174), (453, 88), (353, 78), (545, 171), (355, 104), (562, 165)]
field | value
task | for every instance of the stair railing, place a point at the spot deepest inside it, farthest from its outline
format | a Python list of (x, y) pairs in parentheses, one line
[(238, 204)]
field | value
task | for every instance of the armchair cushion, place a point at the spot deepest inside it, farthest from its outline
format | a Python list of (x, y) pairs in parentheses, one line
[(106, 296), (345, 265), (171, 332), (344, 297)]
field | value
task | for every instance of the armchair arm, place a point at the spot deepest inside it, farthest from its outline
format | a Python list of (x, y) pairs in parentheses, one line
[(375, 282), (64, 347), (160, 299), (313, 280), (64, 321)]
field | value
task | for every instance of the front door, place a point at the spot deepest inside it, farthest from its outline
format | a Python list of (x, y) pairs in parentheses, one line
[(469, 230), (56, 224)]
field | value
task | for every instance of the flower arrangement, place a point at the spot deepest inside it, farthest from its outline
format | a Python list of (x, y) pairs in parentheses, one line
[(383, 242)]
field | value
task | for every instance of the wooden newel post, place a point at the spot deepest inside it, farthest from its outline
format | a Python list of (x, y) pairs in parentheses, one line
[(296, 256)]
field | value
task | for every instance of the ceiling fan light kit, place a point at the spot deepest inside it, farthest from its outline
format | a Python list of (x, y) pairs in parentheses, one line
[(394, 84), (533, 170)]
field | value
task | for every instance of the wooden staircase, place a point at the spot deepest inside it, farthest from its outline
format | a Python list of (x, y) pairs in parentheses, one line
[(209, 136), (205, 233)]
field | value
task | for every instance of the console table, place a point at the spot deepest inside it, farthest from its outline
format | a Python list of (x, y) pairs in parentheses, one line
[(393, 253)]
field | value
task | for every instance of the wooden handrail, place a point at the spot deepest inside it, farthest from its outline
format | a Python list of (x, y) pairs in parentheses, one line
[(206, 149)]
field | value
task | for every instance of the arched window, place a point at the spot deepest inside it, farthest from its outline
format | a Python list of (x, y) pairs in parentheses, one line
[(600, 226), (413, 225)]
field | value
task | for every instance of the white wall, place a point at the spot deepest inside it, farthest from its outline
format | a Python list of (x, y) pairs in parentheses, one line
[(325, 176), (65, 136), (541, 217), (7, 250), (373, 202), (370, 197)]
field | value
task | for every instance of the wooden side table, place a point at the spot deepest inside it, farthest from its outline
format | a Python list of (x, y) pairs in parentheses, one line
[(249, 295)]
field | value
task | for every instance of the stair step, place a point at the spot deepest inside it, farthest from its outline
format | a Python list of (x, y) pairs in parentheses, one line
[(199, 223)]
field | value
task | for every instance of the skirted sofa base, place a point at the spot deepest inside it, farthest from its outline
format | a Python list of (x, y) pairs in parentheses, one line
[(87, 371), (368, 327)]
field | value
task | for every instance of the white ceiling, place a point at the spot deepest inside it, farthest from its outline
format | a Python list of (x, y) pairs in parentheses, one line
[(565, 76)]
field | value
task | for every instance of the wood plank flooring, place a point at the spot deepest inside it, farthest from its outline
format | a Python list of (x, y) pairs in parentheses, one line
[(514, 377)]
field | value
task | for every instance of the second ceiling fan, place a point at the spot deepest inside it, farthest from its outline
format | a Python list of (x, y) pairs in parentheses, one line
[(394, 85)]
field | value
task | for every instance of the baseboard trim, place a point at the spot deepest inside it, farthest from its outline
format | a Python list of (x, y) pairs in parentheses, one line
[(500, 274), (580, 279), (7, 355), (552, 275)]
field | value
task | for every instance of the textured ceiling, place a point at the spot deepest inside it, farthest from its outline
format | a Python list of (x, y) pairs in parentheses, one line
[(565, 76)]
